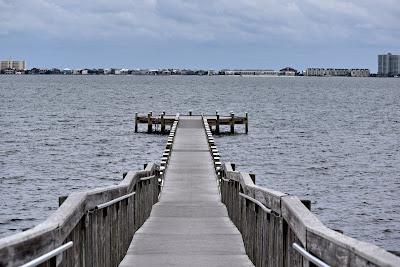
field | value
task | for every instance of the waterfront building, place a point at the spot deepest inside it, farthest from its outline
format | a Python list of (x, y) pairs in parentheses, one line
[(288, 72), (250, 72), (8, 71), (341, 72), (124, 71), (43, 71), (18, 65), (388, 65), (315, 72), (67, 71), (360, 73), (337, 72), (100, 72)]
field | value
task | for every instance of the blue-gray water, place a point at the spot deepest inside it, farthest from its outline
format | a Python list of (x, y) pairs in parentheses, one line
[(332, 140)]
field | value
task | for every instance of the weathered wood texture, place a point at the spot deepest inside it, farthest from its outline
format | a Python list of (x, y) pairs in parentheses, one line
[(269, 221), (268, 236), (158, 123), (189, 226), (101, 236)]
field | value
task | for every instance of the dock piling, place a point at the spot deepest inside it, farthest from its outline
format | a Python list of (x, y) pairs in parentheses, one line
[(217, 122), (149, 122), (136, 122), (232, 122), (162, 123), (247, 123)]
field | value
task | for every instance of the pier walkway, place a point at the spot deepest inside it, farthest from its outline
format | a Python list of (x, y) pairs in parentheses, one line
[(189, 226), (190, 209)]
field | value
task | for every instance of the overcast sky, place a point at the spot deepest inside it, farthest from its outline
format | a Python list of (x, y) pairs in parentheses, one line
[(199, 34)]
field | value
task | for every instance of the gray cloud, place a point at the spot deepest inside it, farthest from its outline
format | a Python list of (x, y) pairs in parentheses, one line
[(215, 33), (362, 21)]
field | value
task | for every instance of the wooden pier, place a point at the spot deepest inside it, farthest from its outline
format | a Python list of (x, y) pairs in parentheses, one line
[(190, 210), (161, 122), (189, 226)]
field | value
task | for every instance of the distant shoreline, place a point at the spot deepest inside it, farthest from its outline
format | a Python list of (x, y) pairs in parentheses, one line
[(173, 75)]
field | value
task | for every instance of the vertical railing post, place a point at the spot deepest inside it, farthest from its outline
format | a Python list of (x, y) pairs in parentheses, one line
[(232, 122), (149, 122), (136, 122), (217, 123), (253, 177), (162, 123), (247, 123)]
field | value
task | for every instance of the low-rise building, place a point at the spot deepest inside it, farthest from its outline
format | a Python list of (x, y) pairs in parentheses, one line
[(250, 72), (360, 73), (124, 71), (8, 71), (315, 72), (288, 72), (67, 71), (337, 72), (341, 72), (115, 71)]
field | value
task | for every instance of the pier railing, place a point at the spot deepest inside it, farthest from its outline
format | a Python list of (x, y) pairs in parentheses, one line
[(279, 230), (99, 222)]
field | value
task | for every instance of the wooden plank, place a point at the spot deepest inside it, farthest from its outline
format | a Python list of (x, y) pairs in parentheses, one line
[(298, 217), (336, 249)]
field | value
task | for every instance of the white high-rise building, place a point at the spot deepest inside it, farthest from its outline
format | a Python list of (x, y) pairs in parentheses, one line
[(13, 64), (388, 65)]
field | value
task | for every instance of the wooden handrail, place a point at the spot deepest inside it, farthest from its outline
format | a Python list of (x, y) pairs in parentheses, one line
[(51, 233), (321, 241)]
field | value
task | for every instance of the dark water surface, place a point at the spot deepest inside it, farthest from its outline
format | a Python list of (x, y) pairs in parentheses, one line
[(332, 140)]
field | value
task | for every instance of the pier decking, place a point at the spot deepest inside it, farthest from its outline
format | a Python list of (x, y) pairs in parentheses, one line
[(158, 123), (189, 226), (189, 210)]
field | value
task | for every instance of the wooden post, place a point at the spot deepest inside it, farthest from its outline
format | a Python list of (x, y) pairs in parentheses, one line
[(61, 200), (136, 122), (253, 177), (149, 123), (247, 123), (232, 122), (162, 123), (307, 203), (217, 123), (190, 113)]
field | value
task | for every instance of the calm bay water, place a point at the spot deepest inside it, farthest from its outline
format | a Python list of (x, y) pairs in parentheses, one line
[(332, 140)]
